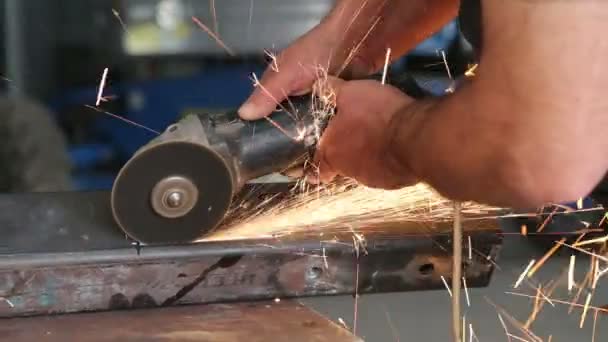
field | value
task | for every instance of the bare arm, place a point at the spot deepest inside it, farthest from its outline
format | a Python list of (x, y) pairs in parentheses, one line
[(531, 127)]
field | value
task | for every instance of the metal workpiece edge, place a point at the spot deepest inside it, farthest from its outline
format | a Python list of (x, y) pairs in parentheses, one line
[(233, 271)]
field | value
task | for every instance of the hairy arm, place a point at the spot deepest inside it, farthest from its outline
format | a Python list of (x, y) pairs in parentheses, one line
[(530, 128), (368, 27)]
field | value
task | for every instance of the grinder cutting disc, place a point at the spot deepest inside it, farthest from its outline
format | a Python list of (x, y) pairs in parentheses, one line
[(171, 192)]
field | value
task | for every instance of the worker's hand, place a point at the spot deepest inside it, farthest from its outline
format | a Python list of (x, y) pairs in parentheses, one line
[(351, 42), (356, 143), (294, 71)]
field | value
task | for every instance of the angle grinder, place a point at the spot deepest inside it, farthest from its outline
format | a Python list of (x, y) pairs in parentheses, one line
[(179, 186)]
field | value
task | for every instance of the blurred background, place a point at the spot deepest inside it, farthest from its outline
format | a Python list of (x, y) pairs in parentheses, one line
[(161, 66)]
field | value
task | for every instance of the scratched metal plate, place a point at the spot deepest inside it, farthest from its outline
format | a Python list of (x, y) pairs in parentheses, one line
[(283, 321)]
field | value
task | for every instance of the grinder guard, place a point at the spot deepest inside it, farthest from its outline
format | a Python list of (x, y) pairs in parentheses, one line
[(179, 186)]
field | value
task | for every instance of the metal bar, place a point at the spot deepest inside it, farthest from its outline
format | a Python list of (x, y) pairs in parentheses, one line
[(63, 253)]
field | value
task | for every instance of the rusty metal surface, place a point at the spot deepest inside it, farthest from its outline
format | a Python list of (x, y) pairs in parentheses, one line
[(282, 321), (232, 271), (61, 271)]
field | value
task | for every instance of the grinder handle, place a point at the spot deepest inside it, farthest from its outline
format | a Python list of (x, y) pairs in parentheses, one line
[(272, 144)]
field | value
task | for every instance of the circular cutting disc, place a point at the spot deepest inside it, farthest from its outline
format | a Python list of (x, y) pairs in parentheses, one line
[(131, 193)]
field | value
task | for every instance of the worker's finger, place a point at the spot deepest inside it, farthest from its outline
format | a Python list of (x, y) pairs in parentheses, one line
[(274, 88)]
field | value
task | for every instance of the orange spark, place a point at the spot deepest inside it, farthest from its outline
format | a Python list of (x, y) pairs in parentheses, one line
[(545, 257)]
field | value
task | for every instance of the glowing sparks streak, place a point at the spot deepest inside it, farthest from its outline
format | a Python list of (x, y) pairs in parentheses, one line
[(571, 273), (509, 336), (544, 224), (445, 283), (274, 66), (386, 61), (586, 252), (343, 323), (102, 85), (325, 259), (7, 301), (466, 291), (524, 230), (504, 326), (579, 204), (122, 23), (595, 265), (594, 324), (470, 248), (592, 241), (456, 267), (545, 257), (213, 35), (123, 119), (529, 334), (392, 326), (559, 301), (464, 328), (603, 219), (585, 308), (353, 52), (524, 273), (447, 67), (471, 70), (214, 16)]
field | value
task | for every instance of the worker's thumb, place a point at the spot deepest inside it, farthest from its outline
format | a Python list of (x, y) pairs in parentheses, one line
[(272, 89)]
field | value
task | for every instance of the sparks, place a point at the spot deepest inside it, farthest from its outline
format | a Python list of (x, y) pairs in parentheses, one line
[(471, 70), (466, 291), (102, 85), (122, 23), (591, 241), (524, 273), (504, 326), (214, 16), (7, 301), (579, 204), (445, 283), (584, 314), (386, 61), (213, 35), (274, 65), (545, 257), (343, 323), (123, 119), (571, 273)]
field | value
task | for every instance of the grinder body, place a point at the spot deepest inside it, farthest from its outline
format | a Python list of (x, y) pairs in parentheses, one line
[(179, 186)]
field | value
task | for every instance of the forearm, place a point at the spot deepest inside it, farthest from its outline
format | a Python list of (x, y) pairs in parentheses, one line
[(530, 127), (368, 27)]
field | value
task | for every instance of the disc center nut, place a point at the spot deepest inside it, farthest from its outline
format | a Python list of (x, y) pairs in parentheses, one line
[(174, 196)]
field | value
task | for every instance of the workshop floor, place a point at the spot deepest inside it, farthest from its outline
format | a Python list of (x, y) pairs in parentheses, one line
[(425, 316)]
